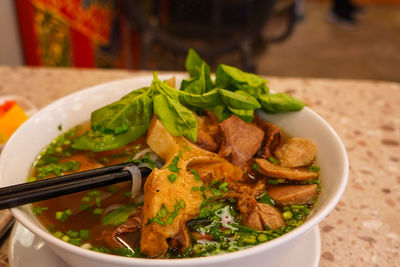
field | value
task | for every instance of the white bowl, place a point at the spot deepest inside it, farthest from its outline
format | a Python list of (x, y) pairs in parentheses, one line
[(37, 132)]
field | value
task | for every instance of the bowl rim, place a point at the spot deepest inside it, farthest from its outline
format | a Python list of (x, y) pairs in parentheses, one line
[(309, 224)]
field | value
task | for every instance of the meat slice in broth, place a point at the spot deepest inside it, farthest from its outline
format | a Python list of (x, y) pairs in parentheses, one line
[(264, 215), (128, 234), (205, 141), (273, 136), (293, 194), (276, 171), (296, 152), (240, 140)]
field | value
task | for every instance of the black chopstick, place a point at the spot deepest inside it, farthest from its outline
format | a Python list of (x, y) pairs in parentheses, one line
[(50, 190), (62, 179)]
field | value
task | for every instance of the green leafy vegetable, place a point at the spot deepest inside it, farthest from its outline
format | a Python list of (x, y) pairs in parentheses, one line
[(233, 79), (177, 119), (280, 102), (238, 100), (120, 215), (203, 101), (222, 112), (119, 123), (246, 115), (198, 68)]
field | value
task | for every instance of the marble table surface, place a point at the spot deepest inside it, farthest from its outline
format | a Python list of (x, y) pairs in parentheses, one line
[(364, 228)]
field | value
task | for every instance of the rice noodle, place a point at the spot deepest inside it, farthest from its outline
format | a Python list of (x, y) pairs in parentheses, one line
[(136, 179), (142, 153), (139, 199), (112, 208)]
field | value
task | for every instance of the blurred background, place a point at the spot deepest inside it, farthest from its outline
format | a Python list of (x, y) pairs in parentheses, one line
[(300, 38)]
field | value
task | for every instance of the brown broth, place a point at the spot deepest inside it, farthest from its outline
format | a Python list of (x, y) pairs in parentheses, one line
[(85, 219)]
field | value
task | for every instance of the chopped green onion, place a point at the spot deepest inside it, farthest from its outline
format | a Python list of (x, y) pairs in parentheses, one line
[(86, 199), (273, 160), (255, 167), (216, 192), (196, 175), (314, 168), (224, 187), (84, 233), (58, 234), (65, 238), (75, 241), (287, 215), (71, 233), (84, 206), (98, 211), (94, 193)]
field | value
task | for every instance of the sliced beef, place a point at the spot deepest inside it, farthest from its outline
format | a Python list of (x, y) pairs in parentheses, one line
[(240, 140), (211, 124), (128, 234), (272, 139), (217, 171), (296, 152), (263, 217), (205, 141), (270, 216), (293, 194), (253, 220), (209, 134), (276, 171)]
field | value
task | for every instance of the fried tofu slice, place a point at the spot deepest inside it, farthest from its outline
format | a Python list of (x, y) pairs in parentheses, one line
[(296, 152), (276, 171), (161, 141), (293, 194), (170, 200)]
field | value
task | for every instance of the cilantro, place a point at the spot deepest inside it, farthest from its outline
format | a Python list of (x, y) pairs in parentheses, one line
[(172, 177), (273, 160), (265, 198), (173, 167), (164, 213), (187, 148), (255, 167), (196, 175), (216, 192)]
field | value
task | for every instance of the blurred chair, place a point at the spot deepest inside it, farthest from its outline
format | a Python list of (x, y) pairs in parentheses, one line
[(211, 27)]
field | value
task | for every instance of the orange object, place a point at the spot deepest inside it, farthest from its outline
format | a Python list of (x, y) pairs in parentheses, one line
[(11, 120)]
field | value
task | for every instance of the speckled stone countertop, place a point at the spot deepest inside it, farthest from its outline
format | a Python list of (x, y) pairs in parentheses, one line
[(364, 228)]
